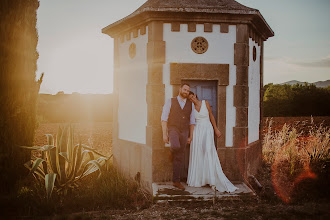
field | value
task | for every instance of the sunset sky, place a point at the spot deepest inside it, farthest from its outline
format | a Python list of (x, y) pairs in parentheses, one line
[(77, 57)]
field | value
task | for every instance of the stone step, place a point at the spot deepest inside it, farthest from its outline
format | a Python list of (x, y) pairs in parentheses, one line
[(165, 191)]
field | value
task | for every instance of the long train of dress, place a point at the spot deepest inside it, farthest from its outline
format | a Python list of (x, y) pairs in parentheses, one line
[(204, 166)]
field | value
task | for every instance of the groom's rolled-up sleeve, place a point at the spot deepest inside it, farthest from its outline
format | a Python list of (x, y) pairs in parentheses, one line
[(166, 110), (192, 115)]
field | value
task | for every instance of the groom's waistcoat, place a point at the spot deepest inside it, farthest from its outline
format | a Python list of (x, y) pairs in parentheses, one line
[(179, 118)]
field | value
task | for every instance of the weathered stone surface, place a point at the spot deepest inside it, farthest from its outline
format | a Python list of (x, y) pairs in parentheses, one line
[(161, 166), (253, 158), (143, 30), (175, 26), (208, 27), (155, 73), (241, 54), (135, 33), (156, 52), (241, 117), (242, 75), (155, 31), (240, 137), (224, 28), (242, 33), (155, 137), (154, 114), (241, 96), (199, 71), (191, 27), (233, 162)]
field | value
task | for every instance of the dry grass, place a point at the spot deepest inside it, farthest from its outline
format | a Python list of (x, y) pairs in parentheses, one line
[(295, 156), (290, 174)]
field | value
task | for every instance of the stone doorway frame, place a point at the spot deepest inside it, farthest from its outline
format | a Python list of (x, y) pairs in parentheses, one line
[(205, 71)]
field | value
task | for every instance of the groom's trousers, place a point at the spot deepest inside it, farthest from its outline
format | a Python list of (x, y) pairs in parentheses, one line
[(178, 140)]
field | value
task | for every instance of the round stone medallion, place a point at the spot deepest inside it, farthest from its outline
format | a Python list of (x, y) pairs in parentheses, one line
[(132, 50), (199, 45)]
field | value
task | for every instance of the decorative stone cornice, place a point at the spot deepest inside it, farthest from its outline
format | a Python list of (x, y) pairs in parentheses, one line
[(254, 19)]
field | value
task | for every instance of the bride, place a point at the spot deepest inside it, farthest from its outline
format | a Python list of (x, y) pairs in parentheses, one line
[(204, 166)]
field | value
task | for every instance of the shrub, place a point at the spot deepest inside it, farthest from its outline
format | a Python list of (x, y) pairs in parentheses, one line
[(296, 158)]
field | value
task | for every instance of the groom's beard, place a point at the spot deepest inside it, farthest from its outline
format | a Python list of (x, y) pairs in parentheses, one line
[(184, 95)]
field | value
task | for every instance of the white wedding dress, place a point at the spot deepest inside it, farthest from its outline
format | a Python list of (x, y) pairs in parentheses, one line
[(204, 165)]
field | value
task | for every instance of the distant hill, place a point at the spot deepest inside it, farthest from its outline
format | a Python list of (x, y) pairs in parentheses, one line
[(320, 84)]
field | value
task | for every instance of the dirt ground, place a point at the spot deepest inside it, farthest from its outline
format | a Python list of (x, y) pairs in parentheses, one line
[(264, 206), (249, 208)]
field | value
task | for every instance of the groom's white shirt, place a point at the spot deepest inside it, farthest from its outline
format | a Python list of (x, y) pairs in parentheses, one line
[(182, 102)]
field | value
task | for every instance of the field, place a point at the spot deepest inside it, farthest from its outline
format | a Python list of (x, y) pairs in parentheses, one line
[(97, 135), (306, 199)]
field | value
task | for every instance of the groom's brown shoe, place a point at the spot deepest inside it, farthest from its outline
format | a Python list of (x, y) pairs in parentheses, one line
[(178, 185)]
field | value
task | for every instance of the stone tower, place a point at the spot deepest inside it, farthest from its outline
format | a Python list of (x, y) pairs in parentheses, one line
[(217, 46)]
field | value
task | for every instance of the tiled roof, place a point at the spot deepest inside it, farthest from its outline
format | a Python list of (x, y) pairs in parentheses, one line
[(211, 6), (205, 7)]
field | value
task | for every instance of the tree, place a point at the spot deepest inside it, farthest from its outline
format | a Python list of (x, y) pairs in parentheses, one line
[(18, 88), (296, 100)]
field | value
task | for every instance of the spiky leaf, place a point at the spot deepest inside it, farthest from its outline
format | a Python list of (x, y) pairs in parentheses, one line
[(49, 183)]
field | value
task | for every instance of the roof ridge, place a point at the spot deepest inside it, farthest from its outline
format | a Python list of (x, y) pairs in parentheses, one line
[(228, 4)]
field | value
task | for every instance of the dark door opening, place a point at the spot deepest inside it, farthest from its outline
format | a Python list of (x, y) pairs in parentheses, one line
[(206, 90)]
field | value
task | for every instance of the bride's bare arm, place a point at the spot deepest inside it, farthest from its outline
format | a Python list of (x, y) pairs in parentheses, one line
[(212, 119)]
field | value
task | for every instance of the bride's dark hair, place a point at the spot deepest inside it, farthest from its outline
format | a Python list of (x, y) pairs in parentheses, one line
[(191, 93)]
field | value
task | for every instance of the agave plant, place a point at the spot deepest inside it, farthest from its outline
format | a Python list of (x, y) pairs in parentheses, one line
[(62, 164)]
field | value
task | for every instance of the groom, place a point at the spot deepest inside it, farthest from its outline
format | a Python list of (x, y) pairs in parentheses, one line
[(178, 122)]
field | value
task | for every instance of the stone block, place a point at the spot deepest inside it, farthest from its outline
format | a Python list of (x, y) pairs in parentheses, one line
[(200, 71), (155, 73), (135, 160), (128, 36), (241, 96), (242, 75), (135, 33), (222, 115), (242, 117), (146, 165), (241, 54), (232, 161), (155, 94), (253, 157), (224, 28), (161, 166), (240, 137), (242, 33), (156, 52), (191, 27), (124, 156), (155, 31), (175, 26), (143, 30), (155, 136), (154, 114), (208, 27)]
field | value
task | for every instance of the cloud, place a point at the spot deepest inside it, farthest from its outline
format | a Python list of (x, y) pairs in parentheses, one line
[(319, 63)]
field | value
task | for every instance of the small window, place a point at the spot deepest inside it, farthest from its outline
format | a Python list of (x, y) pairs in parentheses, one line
[(132, 50)]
